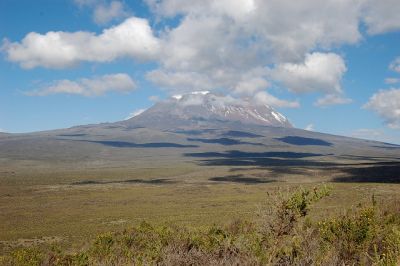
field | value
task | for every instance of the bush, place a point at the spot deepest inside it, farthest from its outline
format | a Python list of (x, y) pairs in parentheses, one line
[(25, 257), (283, 234)]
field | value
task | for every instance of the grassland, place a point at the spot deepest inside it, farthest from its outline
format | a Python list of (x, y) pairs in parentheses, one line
[(285, 231), (63, 190), (69, 206)]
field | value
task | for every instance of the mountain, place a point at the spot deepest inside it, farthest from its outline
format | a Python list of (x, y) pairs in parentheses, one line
[(202, 107), (199, 131)]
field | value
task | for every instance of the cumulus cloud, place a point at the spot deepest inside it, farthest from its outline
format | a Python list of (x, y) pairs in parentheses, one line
[(221, 40), (241, 46), (251, 85), (171, 8), (180, 81), (132, 38), (381, 16), (88, 87), (395, 65), (227, 44), (252, 82), (195, 99), (217, 41), (319, 72), (104, 13), (392, 80), (332, 99), (386, 103), (285, 28), (135, 113), (82, 3), (263, 97), (204, 97)]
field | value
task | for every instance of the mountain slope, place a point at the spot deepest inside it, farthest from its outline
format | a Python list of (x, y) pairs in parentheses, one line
[(200, 129), (199, 108)]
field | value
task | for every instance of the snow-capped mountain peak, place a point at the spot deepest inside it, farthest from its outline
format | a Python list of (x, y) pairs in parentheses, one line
[(202, 106)]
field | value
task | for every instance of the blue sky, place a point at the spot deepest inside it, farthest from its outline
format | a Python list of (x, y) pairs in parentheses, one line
[(332, 67)]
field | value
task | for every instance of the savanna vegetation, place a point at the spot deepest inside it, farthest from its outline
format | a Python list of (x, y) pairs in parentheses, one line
[(282, 232)]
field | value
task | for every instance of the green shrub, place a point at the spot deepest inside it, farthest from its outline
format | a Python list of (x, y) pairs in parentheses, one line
[(283, 234), (26, 257)]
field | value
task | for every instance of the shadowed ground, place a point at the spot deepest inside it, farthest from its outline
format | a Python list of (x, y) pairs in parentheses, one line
[(376, 174), (74, 183), (294, 140), (241, 179)]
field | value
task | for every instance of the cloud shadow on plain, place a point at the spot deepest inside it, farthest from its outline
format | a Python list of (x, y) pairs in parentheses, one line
[(389, 173), (72, 135), (301, 141), (129, 181), (259, 159), (241, 179), (223, 141), (240, 134), (125, 144)]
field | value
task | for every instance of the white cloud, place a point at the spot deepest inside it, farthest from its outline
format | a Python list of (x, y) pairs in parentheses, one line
[(220, 101), (235, 37), (251, 82), (196, 99), (180, 81), (286, 29), (251, 85), (135, 113), (266, 98), (395, 65), (332, 99), (132, 38), (319, 72), (221, 41), (392, 80), (227, 44), (82, 3), (309, 127), (203, 97), (386, 103), (222, 44), (88, 87), (104, 13), (171, 8), (381, 16)]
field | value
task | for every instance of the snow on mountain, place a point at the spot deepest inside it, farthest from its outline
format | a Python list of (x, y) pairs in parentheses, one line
[(206, 106)]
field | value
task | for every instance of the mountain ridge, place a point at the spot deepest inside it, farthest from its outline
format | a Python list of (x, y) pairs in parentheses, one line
[(202, 106), (193, 129)]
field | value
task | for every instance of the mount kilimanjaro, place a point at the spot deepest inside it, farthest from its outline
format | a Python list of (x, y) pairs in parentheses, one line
[(198, 129), (202, 108)]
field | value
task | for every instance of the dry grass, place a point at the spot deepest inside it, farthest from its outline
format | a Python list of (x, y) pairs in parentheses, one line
[(282, 233)]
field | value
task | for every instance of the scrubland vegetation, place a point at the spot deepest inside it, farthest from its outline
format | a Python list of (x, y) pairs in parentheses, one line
[(283, 232)]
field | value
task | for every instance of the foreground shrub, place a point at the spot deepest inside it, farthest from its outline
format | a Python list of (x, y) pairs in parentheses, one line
[(26, 257), (366, 236), (282, 234)]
